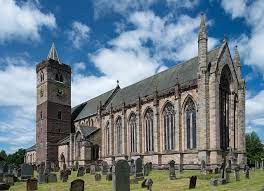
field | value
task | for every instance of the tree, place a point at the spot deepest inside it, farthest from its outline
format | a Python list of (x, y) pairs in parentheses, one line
[(254, 147), (3, 155), (16, 158)]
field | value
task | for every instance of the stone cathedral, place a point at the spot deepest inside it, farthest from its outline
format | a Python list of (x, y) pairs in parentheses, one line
[(191, 112)]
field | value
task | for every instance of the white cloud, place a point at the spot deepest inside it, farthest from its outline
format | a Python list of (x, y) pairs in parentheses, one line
[(251, 45), (79, 34), (236, 8), (79, 66), (23, 21)]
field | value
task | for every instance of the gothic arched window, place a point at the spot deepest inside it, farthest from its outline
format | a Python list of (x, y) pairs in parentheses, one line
[(107, 138), (119, 135), (149, 131), (224, 94), (133, 132), (169, 127), (57, 77), (190, 121), (61, 78), (78, 144)]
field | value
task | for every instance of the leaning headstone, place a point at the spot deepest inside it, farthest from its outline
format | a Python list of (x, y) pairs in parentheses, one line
[(237, 175), (192, 183), (32, 184), (4, 186), (97, 177), (52, 178), (26, 171), (80, 171), (121, 176), (146, 169), (214, 182), (172, 170), (147, 183), (139, 169), (104, 167), (77, 185)]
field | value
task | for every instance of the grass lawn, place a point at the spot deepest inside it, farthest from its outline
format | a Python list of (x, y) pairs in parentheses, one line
[(161, 183)]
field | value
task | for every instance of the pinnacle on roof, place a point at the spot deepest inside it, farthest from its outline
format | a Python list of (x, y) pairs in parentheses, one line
[(202, 30), (53, 53)]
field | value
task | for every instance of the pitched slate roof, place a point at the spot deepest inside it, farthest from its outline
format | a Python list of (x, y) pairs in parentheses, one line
[(185, 73), (32, 148), (64, 141), (87, 131), (90, 107)]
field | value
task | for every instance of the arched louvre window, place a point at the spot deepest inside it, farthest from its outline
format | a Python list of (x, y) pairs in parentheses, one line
[(169, 127), (107, 138), (133, 132), (119, 135), (149, 133), (190, 121)]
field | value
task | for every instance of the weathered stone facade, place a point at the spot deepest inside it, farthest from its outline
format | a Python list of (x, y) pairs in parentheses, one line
[(192, 112)]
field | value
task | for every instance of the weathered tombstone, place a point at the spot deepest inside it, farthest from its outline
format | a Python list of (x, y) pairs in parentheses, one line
[(109, 176), (147, 183), (88, 169), (203, 167), (69, 171), (214, 182), (27, 171), (77, 185), (8, 179), (41, 176), (146, 169), (97, 177), (172, 170), (237, 175), (32, 184), (121, 176), (139, 169), (52, 178), (192, 183), (216, 170), (93, 169), (47, 169), (64, 174), (247, 171), (104, 167), (229, 166), (80, 171), (227, 177), (132, 167), (4, 186)]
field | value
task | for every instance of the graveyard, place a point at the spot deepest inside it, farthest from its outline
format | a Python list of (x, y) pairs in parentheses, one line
[(161, 181)]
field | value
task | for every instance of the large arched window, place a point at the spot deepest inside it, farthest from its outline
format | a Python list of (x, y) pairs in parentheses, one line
[(107, 138), (224, 101), (133, 132), (78, 144), (119, 135), (190, 124), (149, 131), (169, 127)]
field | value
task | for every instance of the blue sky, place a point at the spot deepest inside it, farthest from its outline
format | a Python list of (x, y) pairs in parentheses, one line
[(125, 40)]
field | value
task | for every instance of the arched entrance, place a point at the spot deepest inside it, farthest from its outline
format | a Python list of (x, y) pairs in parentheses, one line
[(95, 152), (224, 101)]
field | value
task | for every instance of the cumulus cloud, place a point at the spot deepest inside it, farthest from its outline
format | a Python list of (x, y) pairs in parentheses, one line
[(23, 21), (236, 8), (78, 34)]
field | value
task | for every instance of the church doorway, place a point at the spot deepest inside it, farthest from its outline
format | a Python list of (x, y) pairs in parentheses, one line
[(95, 153)]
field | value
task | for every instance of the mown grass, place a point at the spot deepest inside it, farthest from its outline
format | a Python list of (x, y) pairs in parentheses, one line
[(161, 183)]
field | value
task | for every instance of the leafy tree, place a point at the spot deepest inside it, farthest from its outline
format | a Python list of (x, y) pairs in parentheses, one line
[(16, 158), (3, 155), (254, 147)]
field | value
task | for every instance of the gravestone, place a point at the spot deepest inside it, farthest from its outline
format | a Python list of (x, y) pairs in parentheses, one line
[(192, 183), (109, 176), (8, 179), (4, 186), (80, 171), (139, 169), (52, 178), (88, 169), (104, 167), (203, 167), (214, 182), (121, 176), (147, 183), (146, 169), (77, 185), (229, 166), (172, 170), (41, 176), (47, 169), (97, 177), (27, 171), (32, 184), (237, 175), (216, 170), (69, 171), (227, 177), (93, 169), (64, 174), (247, 171), (132, 167)]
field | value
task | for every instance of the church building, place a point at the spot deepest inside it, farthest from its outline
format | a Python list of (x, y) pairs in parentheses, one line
[(189, 113)]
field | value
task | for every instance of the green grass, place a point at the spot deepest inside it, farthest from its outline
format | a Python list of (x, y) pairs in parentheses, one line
[(161, 183)]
